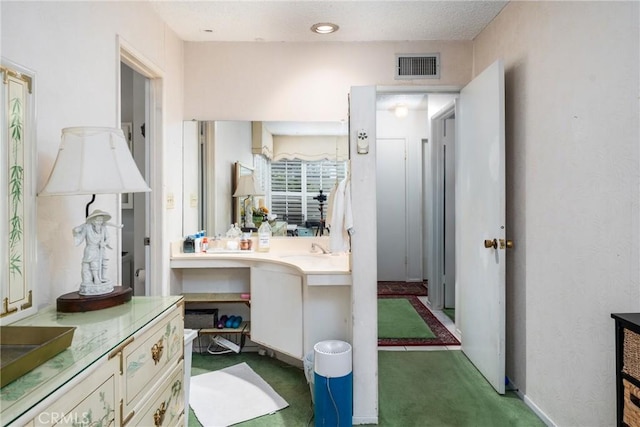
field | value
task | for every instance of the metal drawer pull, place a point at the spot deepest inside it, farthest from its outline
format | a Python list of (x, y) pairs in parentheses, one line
[(158, 416), (156, 351)]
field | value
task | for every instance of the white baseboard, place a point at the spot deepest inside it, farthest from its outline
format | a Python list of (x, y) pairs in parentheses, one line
[(535, 408)]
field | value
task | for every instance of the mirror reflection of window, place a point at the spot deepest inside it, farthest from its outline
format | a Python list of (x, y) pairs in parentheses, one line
[(295, 183)]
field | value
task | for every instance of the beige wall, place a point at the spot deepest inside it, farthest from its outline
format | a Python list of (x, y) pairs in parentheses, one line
[(572, 86), (72, 47), (300, 81)]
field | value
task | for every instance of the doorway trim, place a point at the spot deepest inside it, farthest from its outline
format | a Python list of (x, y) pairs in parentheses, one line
[(154, 265), (436, 269)]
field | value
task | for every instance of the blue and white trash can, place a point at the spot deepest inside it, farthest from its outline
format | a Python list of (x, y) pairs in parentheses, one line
[(333, 384)]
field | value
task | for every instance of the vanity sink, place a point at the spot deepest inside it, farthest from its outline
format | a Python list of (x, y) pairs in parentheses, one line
[(317, 262), (308, 257), (23, 348)]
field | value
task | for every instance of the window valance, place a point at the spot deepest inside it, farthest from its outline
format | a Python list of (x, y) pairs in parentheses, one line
[(310, 148)]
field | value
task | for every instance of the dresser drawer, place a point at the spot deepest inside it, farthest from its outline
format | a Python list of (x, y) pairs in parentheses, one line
[(165, 407), (631, 409), (631, 354), (149, 356), (94, 403)]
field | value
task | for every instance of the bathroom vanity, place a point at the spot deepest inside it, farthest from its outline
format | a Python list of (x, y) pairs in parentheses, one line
[(124, 366), (297, 297)]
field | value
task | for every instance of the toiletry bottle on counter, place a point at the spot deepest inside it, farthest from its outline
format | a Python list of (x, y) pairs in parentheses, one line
[(264, 236)]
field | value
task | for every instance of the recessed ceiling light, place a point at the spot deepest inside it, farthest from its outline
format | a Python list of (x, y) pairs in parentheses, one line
[(324, 28), (401, 110)]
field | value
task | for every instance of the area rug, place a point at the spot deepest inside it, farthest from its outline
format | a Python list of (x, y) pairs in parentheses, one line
[(232, 395), (398, 319), (442, 334), (402, 288)]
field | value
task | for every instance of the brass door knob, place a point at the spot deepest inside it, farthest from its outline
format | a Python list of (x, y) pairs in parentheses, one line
[(491, 244), (506, 244)]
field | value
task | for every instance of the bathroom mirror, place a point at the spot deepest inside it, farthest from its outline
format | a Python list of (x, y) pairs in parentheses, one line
[(212, 149)]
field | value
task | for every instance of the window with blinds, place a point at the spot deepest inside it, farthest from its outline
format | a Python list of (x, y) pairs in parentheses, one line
[(295, 183)]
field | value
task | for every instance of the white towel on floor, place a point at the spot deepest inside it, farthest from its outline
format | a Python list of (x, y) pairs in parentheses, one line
[(232, 395)]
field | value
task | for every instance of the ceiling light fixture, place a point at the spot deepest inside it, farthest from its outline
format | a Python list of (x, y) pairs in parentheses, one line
[(401, 110), (324, 28)]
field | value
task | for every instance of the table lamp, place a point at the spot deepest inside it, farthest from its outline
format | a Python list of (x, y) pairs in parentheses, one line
[(247, 188), (94, 160)]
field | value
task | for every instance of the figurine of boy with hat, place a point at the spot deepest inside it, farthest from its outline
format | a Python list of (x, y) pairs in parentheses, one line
[(94, 261)]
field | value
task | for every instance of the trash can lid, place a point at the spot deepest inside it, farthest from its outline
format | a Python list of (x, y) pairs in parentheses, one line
[(332, 358), (332, 347)]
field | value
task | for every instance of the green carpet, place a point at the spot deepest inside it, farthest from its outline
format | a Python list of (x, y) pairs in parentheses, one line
[(398, 319), (415, 389), (443, 388)]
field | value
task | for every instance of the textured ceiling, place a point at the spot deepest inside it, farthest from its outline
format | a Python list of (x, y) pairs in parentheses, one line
[(289, 21)]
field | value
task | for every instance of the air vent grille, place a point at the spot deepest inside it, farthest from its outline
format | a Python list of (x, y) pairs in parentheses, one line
[(418, 66)]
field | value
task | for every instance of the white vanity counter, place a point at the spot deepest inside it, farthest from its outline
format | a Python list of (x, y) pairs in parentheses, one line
[(297, 297), (292, 253)]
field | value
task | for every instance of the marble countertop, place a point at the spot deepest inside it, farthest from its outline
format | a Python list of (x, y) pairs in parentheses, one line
[(97, 333)]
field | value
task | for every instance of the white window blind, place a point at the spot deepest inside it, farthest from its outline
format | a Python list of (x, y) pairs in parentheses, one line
[(295, 183)]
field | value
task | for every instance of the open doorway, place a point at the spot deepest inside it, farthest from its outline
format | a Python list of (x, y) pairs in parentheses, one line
[(147, 215), (415, 191), (133, 118)]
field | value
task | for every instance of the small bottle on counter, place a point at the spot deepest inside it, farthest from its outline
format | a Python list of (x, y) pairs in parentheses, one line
[(245, 242), (264, 236), (197, 241)]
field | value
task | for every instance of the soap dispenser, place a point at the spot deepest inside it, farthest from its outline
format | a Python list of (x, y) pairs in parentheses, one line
[(264, 236)]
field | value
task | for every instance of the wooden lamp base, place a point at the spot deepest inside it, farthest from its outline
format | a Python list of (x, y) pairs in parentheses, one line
[(73, 302)]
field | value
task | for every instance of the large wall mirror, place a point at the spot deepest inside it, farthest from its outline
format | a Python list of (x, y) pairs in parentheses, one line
[(291, 162)]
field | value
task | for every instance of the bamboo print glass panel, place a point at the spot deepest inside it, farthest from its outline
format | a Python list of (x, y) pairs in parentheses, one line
[(17, 94), (17, 216)]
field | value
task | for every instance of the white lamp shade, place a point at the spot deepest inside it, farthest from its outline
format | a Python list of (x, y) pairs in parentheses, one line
[(247, 187), (94, 160)]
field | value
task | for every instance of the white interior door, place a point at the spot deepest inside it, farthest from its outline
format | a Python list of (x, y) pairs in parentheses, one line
[(391, 209), (480, 216)]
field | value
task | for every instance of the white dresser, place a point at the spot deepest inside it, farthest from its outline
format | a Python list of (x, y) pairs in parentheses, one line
[(124, 367)]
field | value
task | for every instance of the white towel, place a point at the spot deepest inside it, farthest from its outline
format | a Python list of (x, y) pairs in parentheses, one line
[(340, 217)]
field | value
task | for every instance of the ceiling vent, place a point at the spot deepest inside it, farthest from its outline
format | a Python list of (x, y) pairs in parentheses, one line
[(418, 66)]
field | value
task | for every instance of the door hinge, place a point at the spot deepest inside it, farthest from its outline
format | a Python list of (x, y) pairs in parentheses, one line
[(147, 241)]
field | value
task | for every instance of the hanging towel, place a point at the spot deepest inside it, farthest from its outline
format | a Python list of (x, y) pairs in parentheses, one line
[(340, 217)]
